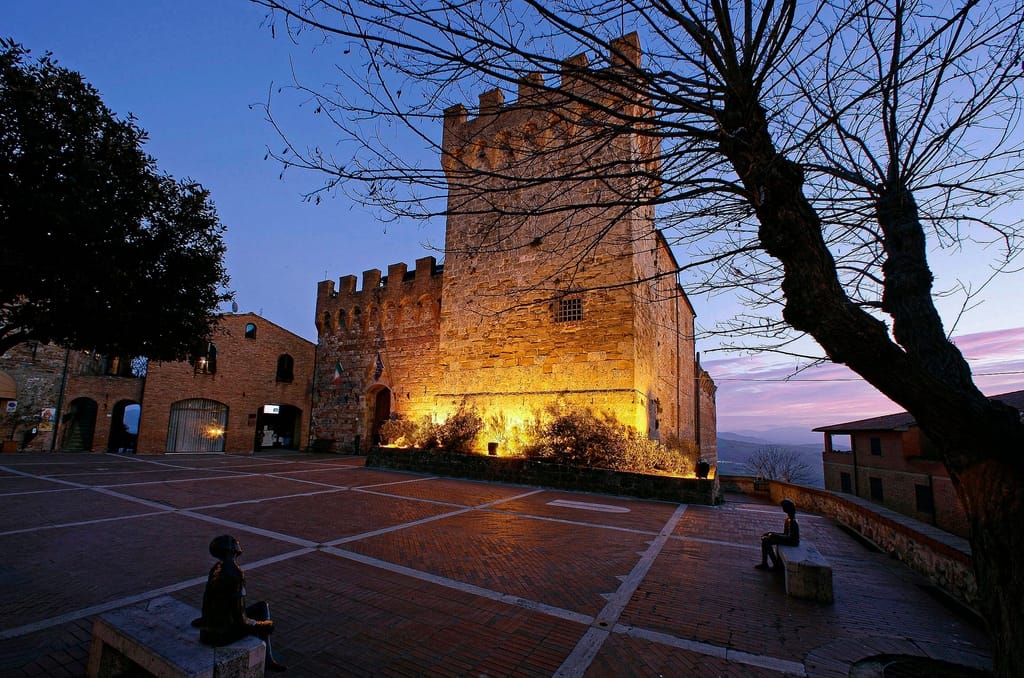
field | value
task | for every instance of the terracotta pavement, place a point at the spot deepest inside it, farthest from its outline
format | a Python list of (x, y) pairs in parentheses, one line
[(380, 573)]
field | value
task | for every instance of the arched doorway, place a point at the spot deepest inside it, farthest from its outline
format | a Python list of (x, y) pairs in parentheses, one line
[(197, 425), (79, 425), (381, 403), (124, 427), (277, 426)]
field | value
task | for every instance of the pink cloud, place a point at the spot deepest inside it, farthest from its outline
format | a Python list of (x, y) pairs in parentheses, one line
[(762, 391)]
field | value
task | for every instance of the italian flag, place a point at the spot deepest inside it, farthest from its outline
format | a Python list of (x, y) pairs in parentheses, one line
[(337, 373)]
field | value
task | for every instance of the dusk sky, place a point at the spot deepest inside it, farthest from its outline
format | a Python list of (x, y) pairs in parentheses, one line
[(195, 73)]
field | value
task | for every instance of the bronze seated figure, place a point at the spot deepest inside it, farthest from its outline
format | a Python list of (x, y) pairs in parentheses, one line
[(226, 617), (790, 536)]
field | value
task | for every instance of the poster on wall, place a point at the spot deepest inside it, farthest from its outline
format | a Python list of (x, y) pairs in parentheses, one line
[(46, 418)]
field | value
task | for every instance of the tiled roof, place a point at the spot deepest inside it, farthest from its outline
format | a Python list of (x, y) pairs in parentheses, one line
[(904, 420)]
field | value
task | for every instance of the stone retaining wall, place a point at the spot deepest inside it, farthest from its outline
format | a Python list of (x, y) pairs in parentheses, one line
[(532, 472), (944, 558)]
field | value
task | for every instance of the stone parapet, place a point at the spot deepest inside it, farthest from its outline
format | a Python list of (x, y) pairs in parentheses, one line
[(944, 558)]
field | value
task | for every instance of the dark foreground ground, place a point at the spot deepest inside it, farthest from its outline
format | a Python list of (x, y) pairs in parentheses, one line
[(381, 573)]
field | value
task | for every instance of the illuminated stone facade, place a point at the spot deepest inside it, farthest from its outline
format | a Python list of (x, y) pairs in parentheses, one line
[(551, 291)]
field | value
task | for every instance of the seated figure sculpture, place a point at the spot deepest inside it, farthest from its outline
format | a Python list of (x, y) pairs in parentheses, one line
[(790, 536), (226, 618)]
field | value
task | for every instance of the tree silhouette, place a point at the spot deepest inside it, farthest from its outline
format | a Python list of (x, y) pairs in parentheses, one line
[(98, 250), (777, 463)]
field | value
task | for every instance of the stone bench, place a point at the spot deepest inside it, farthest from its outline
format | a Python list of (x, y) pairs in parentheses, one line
[(156, 637), (807, 573)]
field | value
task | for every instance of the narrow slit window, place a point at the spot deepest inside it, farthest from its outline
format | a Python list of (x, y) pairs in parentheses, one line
[(285, 368)]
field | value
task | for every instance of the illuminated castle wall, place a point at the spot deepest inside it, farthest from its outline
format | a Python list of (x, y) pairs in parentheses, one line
[(550, 291)]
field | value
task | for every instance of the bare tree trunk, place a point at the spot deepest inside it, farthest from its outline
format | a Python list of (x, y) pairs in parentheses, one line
[(993, 492), (982, 441)]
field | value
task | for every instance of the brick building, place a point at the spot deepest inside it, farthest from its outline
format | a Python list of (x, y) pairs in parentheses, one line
[(248, 388), (891, 462), (39, 380), (545, 295)]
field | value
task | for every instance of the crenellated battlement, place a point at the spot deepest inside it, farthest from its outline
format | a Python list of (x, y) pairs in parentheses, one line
[(399, 277), (345, 306), (502, 132)]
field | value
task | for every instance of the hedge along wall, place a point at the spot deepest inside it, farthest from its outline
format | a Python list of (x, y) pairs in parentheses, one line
[(944, 558), (539, 473)]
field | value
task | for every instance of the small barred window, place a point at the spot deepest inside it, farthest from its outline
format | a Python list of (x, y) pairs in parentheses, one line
[(569, 310)]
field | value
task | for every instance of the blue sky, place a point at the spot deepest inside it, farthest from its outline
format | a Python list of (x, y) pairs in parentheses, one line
[(195, 74)]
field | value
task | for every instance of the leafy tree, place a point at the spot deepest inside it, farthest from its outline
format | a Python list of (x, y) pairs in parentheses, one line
[(808, 156), (98, 250), (777, 463)]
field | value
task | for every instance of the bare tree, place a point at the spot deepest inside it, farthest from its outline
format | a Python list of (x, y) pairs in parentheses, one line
[(777, 463), (808, 157)]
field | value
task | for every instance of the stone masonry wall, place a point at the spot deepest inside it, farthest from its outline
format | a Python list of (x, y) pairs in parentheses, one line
[(551, 292), (664, 329), (37, 371), (708, 416), (40, 371), (397, 317), (520, 246)]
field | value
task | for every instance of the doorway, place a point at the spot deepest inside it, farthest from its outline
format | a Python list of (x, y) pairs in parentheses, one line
[(79, 425), (277, 426), (124, 427), (381, 413)]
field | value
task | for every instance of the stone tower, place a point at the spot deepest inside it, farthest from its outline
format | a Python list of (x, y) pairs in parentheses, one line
[(556, 285)]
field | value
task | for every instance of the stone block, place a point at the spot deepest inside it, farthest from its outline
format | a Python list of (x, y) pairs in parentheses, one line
[(156, 638), (807, 573)]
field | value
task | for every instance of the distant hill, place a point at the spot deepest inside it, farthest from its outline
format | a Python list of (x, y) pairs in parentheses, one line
[(735, 450), (788, 435)]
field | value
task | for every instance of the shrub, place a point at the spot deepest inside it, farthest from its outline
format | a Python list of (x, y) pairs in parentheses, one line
[(512, 438), (578, 437), (400, 431), (687, 450), (642, 455), (459, 432), (563, 435)]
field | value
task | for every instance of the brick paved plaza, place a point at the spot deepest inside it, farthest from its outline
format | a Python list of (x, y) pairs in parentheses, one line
[(380, 573)]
